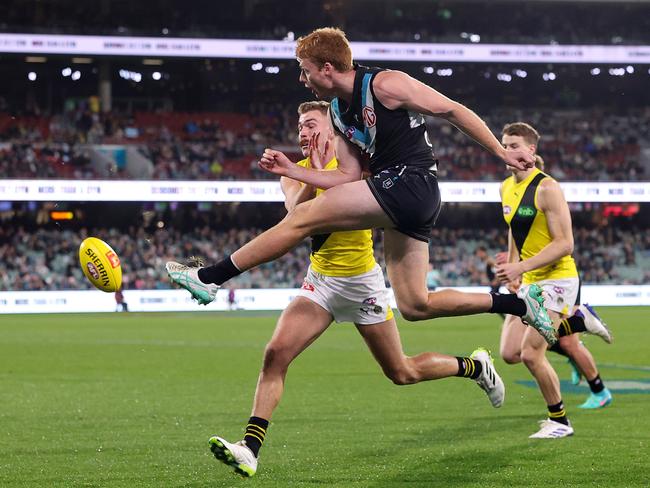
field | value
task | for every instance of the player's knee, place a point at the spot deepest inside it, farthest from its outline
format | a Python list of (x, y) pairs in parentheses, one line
[(275, 357), (408, 314), (414, 311), (423, 306), (510, 357), (402, 372), (568, 345), (402, 376)]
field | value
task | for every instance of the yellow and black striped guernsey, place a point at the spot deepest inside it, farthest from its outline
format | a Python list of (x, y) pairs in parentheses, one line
[(529, 227), (345, 253)]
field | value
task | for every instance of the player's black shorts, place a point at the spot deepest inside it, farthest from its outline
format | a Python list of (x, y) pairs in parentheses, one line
[(410, 197)]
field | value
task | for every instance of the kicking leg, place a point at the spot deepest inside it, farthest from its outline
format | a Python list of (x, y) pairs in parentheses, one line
[(346, 207)]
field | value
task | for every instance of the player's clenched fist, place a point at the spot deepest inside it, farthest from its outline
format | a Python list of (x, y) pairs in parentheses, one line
[(275, 162)]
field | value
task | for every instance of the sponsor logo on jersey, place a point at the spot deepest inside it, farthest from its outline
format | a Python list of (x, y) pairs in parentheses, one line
[(525, 211), (369, 117), (349, 132), (113, 259), (387, 183), (307, 286)]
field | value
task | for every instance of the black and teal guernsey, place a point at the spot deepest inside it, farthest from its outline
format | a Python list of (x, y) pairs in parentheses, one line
[(389, 137)]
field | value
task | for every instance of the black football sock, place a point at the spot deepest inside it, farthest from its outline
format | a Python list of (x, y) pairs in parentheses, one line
[(557, 413), (255, 433), (508, 303), (596, 385), (572, 325), (557, 349), (219, 273), (469, 368)]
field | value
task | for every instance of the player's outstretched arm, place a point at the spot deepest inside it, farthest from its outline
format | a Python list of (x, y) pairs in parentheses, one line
[(348, 169), (396, 89)]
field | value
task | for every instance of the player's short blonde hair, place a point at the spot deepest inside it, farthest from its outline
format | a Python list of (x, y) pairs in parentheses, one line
[(326, 45), (319, 105), (522, 129)]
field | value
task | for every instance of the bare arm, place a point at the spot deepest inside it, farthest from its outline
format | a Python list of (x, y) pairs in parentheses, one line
[(551, 201), (513, 252), (509, 271), (295, 193), (348, 169), (395, 89)]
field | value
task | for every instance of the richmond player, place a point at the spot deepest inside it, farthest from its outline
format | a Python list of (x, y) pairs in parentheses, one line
[(540, 244)]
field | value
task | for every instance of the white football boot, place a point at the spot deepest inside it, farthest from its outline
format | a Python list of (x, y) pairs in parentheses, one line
[(237, 456), (188, 277), (550, 429), (594, 324), (489, 380)]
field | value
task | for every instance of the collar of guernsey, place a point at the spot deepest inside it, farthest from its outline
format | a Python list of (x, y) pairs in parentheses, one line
[(529, 227), (345, 253)]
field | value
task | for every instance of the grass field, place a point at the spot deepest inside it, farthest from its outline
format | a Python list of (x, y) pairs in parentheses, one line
[(130, 400)]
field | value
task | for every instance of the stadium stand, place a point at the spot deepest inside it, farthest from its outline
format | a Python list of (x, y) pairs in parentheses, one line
[(45, 258), (576, 144), (405, 21)]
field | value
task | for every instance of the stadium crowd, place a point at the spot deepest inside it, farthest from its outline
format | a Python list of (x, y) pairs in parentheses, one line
[(577, 145), (410, 21), (46, 259)]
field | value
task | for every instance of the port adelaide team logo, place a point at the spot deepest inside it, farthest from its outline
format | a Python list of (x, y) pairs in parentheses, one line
[(369, 117)]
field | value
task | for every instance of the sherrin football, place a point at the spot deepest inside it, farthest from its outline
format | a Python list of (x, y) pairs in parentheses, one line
[(100, 264)]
